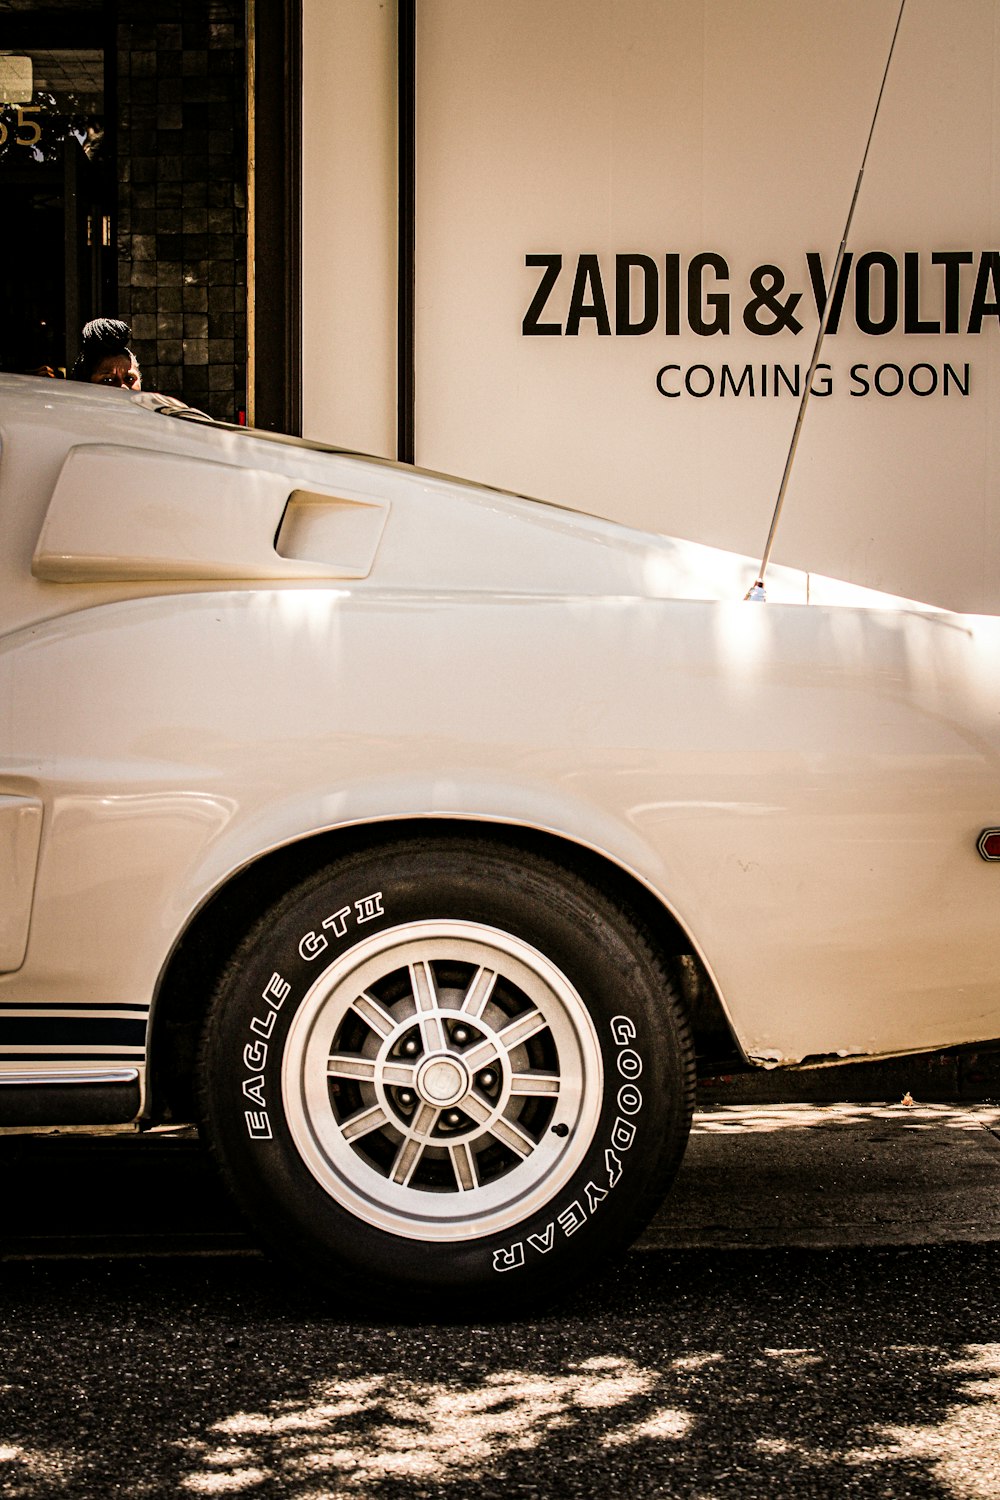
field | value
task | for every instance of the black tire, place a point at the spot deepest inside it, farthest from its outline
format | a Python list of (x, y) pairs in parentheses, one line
[(424, 1136)]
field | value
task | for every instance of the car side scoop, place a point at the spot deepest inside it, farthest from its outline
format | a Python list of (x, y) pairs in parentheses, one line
[(128, 514)]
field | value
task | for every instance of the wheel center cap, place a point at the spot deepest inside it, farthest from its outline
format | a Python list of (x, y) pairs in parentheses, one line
[(442, 1080)]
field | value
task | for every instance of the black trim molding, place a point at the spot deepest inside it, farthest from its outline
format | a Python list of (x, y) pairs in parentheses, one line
[(277, 277), (406, 268), (69, 1104)]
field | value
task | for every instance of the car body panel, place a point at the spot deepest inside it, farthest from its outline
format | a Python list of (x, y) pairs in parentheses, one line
[(800, 785), (20, 837)]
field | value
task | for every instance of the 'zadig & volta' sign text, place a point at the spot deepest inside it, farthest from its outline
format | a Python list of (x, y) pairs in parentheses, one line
[(886, 296), (633, 295)]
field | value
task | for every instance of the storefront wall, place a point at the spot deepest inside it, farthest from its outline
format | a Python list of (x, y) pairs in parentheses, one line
[(182, 271), (349, 224), (556, 139)]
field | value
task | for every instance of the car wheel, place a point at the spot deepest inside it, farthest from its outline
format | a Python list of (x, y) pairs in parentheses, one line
[(440, 1071)]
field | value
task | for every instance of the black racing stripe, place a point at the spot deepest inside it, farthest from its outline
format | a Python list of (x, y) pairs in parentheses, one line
[(123, 1007), (66, 1031)]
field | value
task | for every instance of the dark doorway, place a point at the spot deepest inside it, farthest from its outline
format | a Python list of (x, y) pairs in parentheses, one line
[(57, 195), (123, 175)]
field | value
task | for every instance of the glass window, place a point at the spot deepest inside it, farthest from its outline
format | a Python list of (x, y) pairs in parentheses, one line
[(55, 193)]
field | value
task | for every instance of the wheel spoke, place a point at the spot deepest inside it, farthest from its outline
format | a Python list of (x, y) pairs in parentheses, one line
[(534, 1083), (413, 1147), (364, 1122), (481, 1055), (505, 1130), (476, 1109), (392, 1074), (398, 1075), (478, 994), (349, 1065), (463, 1164), (512, 1136), (425, 996), (374, 1013), (520, 1030)]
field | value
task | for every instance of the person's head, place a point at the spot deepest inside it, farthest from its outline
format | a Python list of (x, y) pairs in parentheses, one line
[(105, 357), (117, 369)]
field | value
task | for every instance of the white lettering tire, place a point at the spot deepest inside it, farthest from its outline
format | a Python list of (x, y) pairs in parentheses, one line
[(441, 1067)]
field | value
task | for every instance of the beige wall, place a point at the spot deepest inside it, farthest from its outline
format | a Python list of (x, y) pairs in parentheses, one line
[(349, 223), (679, 127)]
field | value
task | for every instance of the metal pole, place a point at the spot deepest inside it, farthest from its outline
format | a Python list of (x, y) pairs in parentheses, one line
[(757, 591)]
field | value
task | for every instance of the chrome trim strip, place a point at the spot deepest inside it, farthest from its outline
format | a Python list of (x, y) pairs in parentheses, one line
[(70, 1075)]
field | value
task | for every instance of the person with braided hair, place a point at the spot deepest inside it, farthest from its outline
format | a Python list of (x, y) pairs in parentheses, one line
[(105, 357)]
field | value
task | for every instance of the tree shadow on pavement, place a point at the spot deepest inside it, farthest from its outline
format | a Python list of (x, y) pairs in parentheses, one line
[(701, 1374)]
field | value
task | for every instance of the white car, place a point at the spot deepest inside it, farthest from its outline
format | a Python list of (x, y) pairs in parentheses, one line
[(419, 841)]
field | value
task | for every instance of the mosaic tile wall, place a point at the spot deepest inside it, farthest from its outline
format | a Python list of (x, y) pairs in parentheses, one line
[(182, 197)]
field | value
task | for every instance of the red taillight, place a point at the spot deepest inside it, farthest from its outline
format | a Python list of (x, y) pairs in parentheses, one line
[(989, 843)]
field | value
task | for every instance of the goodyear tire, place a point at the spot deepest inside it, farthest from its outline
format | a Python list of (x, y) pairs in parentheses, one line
[(442, 1073)]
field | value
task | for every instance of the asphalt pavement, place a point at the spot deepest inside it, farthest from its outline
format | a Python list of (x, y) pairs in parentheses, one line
[(813, 1313), (793, 1175), (835, 1175)]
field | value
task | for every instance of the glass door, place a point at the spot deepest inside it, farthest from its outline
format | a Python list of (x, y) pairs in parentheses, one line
[(56, 191)]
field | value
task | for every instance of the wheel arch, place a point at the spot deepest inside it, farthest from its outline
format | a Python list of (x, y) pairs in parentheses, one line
[(218, 926)]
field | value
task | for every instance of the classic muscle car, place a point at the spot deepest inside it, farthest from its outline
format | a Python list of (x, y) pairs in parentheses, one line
[(419, 841)]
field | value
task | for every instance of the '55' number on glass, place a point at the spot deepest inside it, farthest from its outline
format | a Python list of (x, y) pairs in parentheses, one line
[(34, 130)]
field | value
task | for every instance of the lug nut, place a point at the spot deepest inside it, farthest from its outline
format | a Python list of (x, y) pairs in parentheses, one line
[(460, 1035), (406, 1098), (454, 1118), (487, 1080), (410, 1047)]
